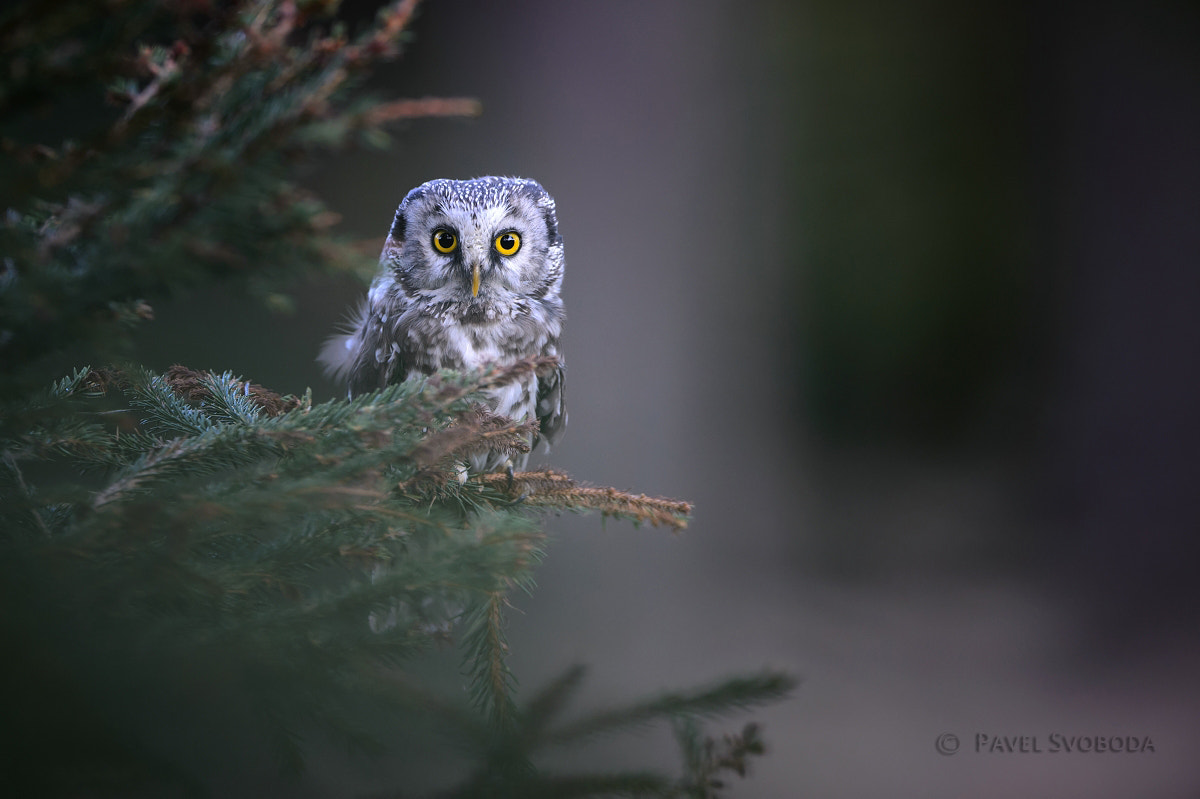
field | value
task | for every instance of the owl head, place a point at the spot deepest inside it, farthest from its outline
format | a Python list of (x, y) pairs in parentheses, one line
[(481, 243)]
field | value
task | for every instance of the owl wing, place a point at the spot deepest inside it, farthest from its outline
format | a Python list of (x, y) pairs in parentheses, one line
[(354, 356), (551, 404)]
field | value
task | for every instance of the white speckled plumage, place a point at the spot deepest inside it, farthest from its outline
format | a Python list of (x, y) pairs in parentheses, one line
[(421, 313)]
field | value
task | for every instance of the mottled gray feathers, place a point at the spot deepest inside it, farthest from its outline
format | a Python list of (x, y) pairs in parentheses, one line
[(422, 313)]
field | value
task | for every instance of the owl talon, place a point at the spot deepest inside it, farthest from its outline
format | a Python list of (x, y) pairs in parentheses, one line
[(508, 469)]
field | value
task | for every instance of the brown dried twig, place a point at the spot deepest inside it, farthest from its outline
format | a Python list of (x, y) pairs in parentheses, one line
[(478, 430), (191, 384), (556, 489), (423, 107)]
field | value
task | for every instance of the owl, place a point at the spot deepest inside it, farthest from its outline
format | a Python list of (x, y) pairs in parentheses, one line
[(470, 275)]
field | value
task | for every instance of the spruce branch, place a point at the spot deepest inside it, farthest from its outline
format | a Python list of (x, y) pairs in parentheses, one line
[(485, 650), (705, 758), (187, 181), (84, 379), (557, 490), (32, 511), (424, 107), (162, 66), (507, 753), (224, 389), (476, 430), (549, 702), (216, 450), (736, 694), (450, 388), (165, 412), (290, 537)]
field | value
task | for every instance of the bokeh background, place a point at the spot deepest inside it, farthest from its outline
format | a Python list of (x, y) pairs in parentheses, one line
[(903, 297)]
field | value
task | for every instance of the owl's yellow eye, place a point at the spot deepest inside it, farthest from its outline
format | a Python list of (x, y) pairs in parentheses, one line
[(507, 243), (444, 241)]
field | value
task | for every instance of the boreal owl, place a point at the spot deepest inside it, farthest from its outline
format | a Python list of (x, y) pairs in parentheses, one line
[(471, 274)]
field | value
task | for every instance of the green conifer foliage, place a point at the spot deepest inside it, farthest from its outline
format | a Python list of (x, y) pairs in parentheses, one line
[(193, 566)]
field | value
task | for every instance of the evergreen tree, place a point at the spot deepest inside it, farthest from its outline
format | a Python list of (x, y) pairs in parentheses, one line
[(191, 563)]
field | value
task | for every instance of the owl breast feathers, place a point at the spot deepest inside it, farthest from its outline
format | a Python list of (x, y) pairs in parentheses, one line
[(470, 274)]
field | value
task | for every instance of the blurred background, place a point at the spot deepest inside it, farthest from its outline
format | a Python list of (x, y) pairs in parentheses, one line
[(903, 297)]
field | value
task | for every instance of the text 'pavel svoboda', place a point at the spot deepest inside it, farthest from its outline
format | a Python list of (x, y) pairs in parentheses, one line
[(1058, 743)]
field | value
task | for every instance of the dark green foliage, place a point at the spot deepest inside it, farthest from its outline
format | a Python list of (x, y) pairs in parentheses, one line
[(283, 565), (195, 570), (506, 752), (185, 176), (276, 547)]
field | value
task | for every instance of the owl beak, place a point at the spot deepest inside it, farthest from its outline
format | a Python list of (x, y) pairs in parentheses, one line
[(475, 280)]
